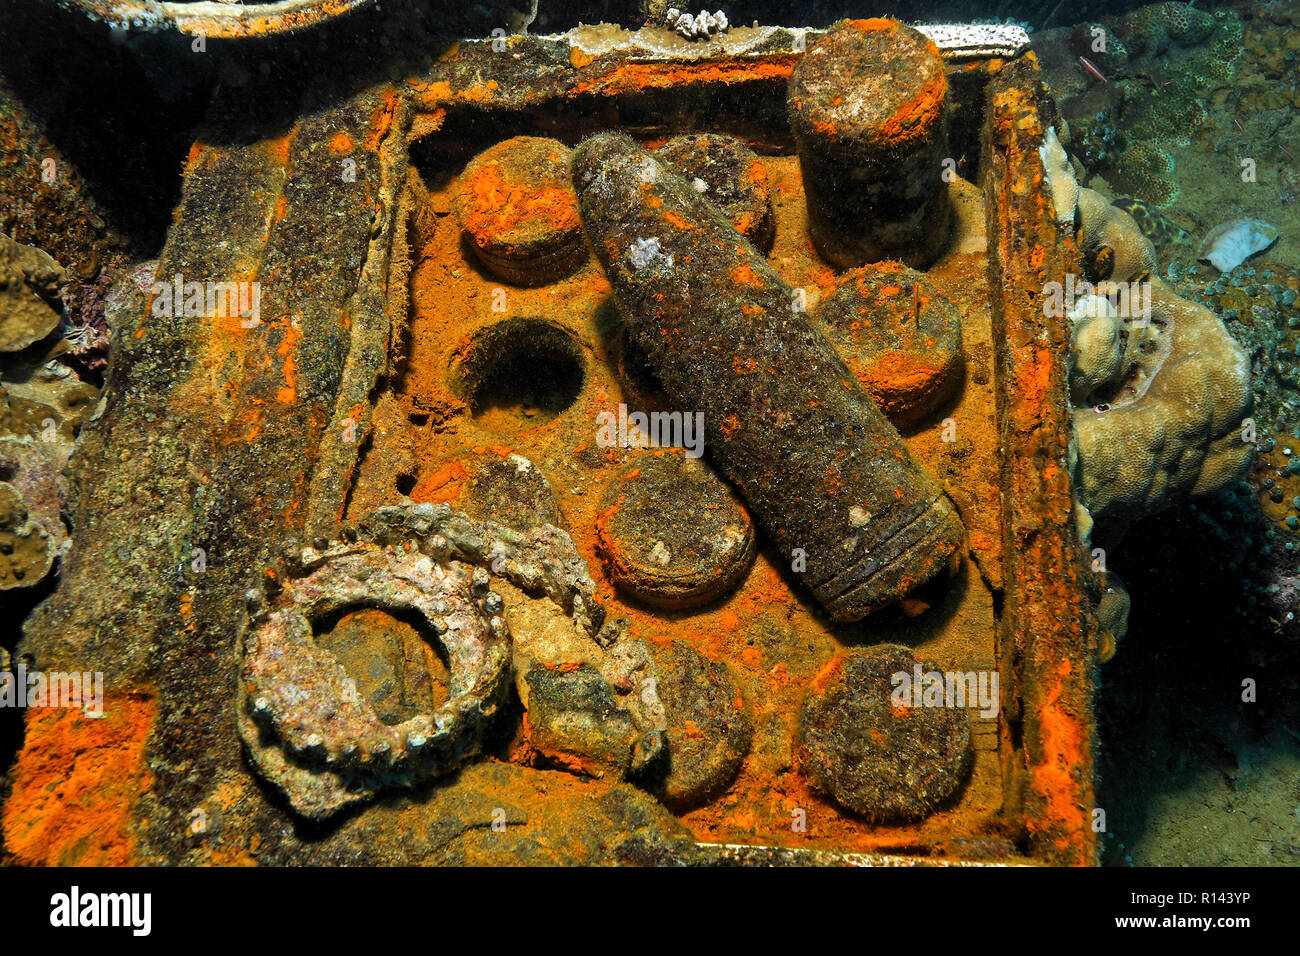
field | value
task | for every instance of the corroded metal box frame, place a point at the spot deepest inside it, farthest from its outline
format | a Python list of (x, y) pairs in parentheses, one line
[(215, 432)]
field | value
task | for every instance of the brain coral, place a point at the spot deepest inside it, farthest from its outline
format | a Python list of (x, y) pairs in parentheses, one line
[(1177, 431), (1161, 392), (1153, 28), (1167, 418), (1096, 352), (1146, 170)]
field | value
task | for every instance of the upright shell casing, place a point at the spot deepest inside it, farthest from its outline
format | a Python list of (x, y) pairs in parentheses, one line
[(868, 107)]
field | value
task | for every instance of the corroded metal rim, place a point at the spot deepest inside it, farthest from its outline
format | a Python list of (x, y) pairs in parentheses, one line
[(215, 19), (283, 662), (305, 726), (956, 41)]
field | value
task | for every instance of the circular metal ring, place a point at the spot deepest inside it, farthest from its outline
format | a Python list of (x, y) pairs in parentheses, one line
[(308, 728)]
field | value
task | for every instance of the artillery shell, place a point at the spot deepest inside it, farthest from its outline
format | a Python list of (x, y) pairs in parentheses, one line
[(883, 760), (674, 557), (823, 471), (868, 107)]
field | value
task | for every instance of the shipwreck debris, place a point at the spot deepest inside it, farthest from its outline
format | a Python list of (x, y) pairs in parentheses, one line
[(868, 105), (883, 759), (820, 466), (519, 212)]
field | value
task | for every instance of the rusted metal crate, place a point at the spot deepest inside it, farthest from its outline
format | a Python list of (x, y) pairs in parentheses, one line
[(348, 395)]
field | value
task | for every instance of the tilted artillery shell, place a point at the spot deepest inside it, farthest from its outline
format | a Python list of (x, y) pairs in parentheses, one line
[(822, 469)]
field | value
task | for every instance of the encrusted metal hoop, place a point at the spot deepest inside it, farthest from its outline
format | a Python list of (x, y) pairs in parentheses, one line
[(305, 724)]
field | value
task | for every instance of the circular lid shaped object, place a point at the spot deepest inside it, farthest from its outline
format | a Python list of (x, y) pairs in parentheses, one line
[(868, 84), (519, 210)]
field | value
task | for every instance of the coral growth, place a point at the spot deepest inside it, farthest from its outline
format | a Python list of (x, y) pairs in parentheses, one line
[(26, 551), (1096, 339), (1146, 170), (1168, 116), (1060, 176), (701, 26), (1096, 140), (1203, 46), (1162, 393), (1174, 429), (29, 294), (1152, 29), (42, 405), (1112, 244), (1099, 44), (1168, 59)]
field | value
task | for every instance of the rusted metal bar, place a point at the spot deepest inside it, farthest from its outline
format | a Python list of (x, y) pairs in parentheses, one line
[(1044, 638), (221, 20)]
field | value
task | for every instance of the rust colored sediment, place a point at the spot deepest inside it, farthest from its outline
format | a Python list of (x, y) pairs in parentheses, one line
[(769, 632), (75, 784)]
